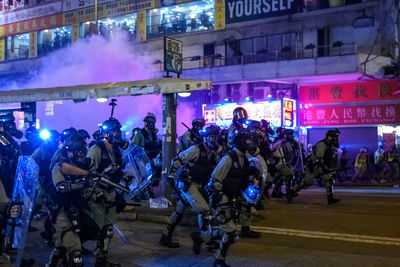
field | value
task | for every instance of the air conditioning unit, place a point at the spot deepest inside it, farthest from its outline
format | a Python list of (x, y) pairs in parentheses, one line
[(240, 92)]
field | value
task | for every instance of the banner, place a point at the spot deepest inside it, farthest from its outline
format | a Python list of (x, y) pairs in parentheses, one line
[(30, 13), (2, 49), (33, 45), (245, 10), (31, 25), (141, 22), (69, 5), (219, 11), (350, 115), (107, 10), (349, 92)]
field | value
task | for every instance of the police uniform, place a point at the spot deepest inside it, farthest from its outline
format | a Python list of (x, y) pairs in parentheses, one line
[(188, 139), (199, 161)]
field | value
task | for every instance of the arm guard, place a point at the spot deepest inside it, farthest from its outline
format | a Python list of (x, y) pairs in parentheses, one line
[(65, 187)]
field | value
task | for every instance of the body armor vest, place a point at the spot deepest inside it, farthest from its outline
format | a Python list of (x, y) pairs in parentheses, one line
[(106, 161), (237, 178), (201, 169), (152, 148)]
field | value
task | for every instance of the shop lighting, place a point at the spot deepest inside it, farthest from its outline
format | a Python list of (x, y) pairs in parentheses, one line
[(269, 95), (184, 94), (247, 98), (102, 99)]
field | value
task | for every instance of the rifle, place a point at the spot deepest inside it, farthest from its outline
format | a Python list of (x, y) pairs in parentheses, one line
[(68, 169)]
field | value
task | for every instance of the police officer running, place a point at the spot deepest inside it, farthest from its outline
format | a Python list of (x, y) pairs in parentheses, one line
[(321, 164), (231, 176), (194, 166), (104, 154)]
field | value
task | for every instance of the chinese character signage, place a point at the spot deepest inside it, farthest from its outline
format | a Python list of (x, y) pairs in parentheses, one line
[(222, 114), (173, 55), (350, 115), (349, 92), (288, 113), (141, 22), (219, 11), (245, 10), (31, 25)]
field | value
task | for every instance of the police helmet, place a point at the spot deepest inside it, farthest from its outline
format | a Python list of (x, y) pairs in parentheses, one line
[(243, 141), (252, 194), (68, 133), (334, 134), (84, 134), (8, 124), (54, 137), (134, 131), (111, 130), (254, 125), (150, 121), (198, 123), (75, 144), (97, 135), (211, 134), (240, 114), (31, 133)]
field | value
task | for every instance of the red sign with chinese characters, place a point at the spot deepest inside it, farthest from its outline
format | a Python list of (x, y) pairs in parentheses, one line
[(288, 110), (350, 115), (31, 25), (349, 92)]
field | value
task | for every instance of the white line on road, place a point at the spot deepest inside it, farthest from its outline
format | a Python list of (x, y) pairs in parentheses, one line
[(332, 236)]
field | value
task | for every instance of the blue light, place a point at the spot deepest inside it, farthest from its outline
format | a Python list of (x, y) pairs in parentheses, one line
[(104, 126), (44, 134), (226, 99), (247, 98)]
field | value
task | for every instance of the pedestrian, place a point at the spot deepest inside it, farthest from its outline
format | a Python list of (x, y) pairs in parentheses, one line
[(360, 165)]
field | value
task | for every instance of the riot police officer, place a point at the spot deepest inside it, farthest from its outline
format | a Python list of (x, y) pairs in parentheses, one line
[(104, 154), (66, 192), (321, 164), (32, 141), (240, 117), (231, 176), (194, 166), (147, 138), (192, 136)]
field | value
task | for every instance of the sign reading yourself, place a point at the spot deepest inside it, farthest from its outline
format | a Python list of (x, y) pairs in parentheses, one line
[(349, 92), (173, 55), (350, 115), (244, 10)]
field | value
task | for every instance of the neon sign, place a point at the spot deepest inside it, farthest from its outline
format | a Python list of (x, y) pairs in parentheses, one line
[(221, 115), (289, 113)]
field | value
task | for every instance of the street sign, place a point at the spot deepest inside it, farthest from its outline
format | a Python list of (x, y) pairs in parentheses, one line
[(172, 55)]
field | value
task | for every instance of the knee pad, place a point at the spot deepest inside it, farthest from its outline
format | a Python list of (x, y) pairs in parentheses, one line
[(75, 259)]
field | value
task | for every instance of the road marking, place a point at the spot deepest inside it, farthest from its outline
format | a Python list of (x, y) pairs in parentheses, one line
[(381, 240)]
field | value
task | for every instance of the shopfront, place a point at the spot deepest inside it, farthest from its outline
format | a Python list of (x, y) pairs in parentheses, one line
[(53, 39), (17, 46), (190, 17), (366, 112), (108, 27)]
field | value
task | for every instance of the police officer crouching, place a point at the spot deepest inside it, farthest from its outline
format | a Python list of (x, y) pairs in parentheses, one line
[(105, 154), (229, 179), (194, 166), (192, 136), (66, 192), (321, 164)]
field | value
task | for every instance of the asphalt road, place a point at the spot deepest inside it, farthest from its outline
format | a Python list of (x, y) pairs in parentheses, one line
[(362, 230)]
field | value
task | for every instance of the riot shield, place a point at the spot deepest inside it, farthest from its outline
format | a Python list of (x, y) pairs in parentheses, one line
[(26, 179), (261, 165), (139, 167)]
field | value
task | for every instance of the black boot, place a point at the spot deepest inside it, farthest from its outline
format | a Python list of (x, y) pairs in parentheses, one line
[(329, 192), (197, 242), (166, 241), (102, 262), (247, 233), (220, 263)]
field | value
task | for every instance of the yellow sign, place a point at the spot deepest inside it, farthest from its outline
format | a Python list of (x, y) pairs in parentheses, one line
[(33, 44), (219, 9), (107, 10), (2, 49), (141, 22)]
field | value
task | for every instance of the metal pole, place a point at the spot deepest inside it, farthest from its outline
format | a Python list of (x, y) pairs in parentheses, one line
[(168, 137), (95, 13)]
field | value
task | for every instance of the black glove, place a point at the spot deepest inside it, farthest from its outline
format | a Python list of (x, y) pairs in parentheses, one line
[(14, 210)]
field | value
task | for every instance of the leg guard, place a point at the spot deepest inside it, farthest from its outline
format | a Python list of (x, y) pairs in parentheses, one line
[(58, 257), (75, 259), (104, 240), (227, 240), (329, 192)]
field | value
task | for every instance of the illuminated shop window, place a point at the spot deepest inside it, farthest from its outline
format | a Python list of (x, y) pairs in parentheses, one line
[(108, 27), (17, 46), (190, 17), (53, 39)]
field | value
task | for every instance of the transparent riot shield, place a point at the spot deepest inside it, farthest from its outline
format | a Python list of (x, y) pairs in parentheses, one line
[(139, 167), (26, 179), (261, 165)]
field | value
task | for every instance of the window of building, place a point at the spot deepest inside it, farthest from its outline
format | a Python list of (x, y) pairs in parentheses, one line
[(110, 26), (53, 39), (190, 17), (17, 46)]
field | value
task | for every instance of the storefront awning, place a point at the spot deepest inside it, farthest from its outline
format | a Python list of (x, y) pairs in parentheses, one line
[(104, 90)]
